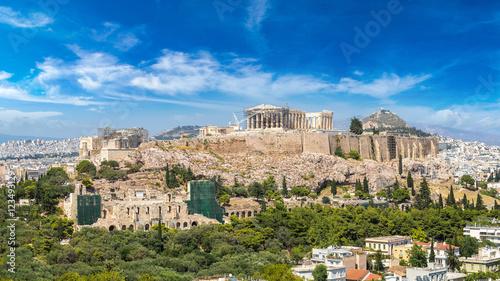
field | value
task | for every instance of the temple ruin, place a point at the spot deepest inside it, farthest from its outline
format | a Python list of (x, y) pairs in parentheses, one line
[(267, 116), (111, 144)]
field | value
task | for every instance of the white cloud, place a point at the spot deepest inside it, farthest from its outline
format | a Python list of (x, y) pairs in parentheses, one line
[(256, 14), (4, 75), (359, 73), (9, 115), (16, 19), (384, 87), (447, 118), (121, 40), (52, 97)]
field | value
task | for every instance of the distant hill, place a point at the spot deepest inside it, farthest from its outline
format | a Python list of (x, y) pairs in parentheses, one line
[(178, 132), (383, 118), (6, 138), (464, 135)]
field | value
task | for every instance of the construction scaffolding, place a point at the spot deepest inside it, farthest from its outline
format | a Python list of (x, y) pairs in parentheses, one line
[(203, 201), (88, 209)]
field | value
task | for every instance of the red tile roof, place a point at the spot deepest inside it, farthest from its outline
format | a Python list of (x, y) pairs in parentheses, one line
[(445, 247), (356, 274), (373, 276)]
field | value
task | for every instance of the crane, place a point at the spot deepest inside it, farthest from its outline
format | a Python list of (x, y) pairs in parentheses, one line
[(236, 123)]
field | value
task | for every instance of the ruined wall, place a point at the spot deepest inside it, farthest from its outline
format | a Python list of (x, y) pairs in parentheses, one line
[(376, 147)]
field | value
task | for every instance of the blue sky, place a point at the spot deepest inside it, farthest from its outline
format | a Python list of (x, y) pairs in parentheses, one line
[(68, 67)]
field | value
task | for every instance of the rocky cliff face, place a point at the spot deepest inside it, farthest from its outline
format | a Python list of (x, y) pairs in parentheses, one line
[(314, 170)]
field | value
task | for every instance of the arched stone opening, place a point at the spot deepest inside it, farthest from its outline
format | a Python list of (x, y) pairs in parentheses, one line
[(249, 213), (238, 214), (131, 227), (124, 227), (194, 223), (185, 225), (112, 227), (178, 225), (242, 214), (146, 227)]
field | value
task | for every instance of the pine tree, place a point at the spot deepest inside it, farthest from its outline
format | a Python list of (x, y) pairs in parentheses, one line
[(388, 192), (356, 126), (432, 255), (450, 200), (400, 168), (496, 207), (490, 178), (366, 189), (423, 199), (160, 238), (479, 203), (358, 186), (334, 187), (413, 191), (465, 202), (396, 185), (440, 202), (284, 188), (409, 181)]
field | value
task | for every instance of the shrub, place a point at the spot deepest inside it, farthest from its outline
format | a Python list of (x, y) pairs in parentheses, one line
[(354, 155)]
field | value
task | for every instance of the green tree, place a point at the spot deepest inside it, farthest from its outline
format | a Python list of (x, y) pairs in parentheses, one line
[(479, 203), (333, 188), (297, 254), (450, 200), (356, 126), (358, 186), (467, 181), (87, 182), (256, 190), (299, 191), (432, 255), (440, 202), (409, 181), (465, 202), (284, 188), (225, 199), (401, 195), (395, 186), (86, 167), (423, 199), (325, 200), (417, 256), (469, 246), (277, 272), (366, 189), (400, 166), (452, 260), (378, 261), (319, 273), (419, 235)]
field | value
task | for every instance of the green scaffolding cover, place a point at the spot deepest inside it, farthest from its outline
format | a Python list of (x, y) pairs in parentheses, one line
[(203, 201), (89, 209)]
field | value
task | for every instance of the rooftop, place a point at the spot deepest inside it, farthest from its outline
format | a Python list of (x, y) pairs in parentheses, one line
[(388, 239)]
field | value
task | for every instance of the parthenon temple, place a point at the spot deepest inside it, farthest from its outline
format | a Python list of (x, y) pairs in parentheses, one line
[(267, 116)]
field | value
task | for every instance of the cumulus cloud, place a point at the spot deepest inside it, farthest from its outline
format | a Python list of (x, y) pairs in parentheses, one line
[(17, 19), (447, 118), (4, 75), (94, 78)]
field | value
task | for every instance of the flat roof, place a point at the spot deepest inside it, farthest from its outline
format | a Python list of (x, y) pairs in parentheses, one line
[(388, 239)]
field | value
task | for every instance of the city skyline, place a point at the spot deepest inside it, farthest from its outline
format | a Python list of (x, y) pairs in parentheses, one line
[(69, 67)]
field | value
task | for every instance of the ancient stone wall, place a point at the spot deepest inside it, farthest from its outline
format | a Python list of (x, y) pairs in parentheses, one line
[(376, 147)]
